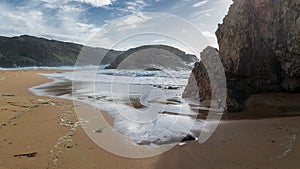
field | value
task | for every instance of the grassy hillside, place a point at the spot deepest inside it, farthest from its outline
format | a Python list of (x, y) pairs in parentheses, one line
[(153, 57), (32, 51)]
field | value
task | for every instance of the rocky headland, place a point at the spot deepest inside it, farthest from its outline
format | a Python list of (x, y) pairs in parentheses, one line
[(259, 46), (154, 57)]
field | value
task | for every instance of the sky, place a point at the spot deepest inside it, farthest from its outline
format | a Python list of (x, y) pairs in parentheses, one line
[(120, 24)]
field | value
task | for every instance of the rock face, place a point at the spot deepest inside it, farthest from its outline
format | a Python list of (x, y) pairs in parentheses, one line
[(207, 78), (259, 45)]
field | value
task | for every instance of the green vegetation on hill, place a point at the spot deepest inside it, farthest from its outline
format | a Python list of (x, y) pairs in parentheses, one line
[(153, 57), (32, 51)]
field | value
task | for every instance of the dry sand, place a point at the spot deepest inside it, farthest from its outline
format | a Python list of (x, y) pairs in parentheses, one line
[(48, 126)]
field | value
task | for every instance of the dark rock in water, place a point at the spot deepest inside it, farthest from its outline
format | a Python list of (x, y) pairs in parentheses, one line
[(154, 57), (172, 87), (188, 138), (167, 87), (259, 46), (153, 69), (144, 142)]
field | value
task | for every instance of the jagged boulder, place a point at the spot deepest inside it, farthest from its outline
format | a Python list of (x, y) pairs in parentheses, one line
[(206, 76)]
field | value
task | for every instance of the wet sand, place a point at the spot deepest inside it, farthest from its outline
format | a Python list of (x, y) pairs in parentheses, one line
[(49, 127)]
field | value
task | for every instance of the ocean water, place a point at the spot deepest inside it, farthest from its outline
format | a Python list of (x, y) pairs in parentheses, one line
[(88, 67), (146, 105)]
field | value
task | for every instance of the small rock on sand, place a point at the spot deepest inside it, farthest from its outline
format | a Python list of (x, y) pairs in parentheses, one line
[(33, 154)]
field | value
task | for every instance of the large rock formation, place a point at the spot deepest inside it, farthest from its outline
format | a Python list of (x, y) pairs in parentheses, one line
[(212, 80), (259, 45)]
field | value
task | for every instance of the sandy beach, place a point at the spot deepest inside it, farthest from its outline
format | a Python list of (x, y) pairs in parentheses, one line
[(43, 132)]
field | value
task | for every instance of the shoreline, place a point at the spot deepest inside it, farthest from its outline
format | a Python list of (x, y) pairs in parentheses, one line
[(261, 106), (251, 143)]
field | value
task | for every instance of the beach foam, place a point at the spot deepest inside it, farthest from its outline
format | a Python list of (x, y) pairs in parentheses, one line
[(137, 100)]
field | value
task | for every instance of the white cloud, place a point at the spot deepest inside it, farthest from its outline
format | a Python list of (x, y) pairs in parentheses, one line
[(208, 34), (135, 19), (199, 13), (16, 22), (97, 3), (134, 6), (127, 23), (65, 24), (150, 28), (198, 4), (70, 20)]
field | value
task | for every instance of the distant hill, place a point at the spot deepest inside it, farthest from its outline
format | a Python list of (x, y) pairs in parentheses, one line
[(153, 57), (32, 51)]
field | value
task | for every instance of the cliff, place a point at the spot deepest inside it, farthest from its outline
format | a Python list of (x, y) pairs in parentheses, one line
[(259, 46)]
